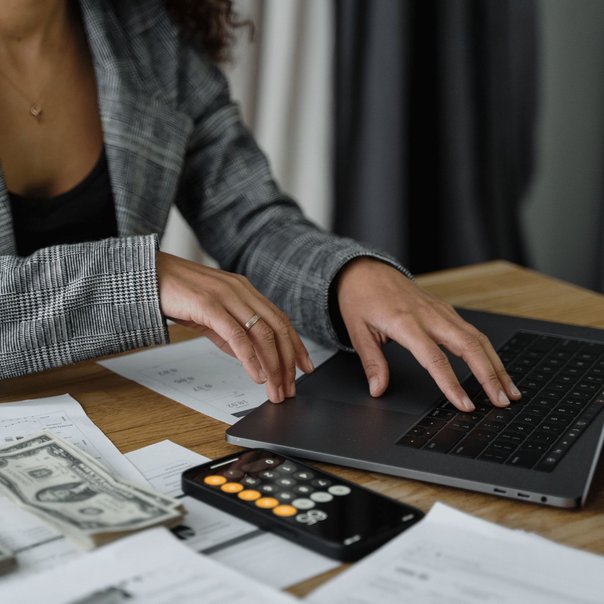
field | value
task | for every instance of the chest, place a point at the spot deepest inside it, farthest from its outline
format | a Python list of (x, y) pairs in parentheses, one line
[(46, 155)]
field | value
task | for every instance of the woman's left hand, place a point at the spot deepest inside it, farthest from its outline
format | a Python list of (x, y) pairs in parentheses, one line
[(378, 304)]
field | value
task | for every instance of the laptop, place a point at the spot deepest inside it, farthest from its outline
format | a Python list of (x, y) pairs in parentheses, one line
[(545, 448)]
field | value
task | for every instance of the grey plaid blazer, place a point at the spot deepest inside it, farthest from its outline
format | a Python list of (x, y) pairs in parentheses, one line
[(172, 136)]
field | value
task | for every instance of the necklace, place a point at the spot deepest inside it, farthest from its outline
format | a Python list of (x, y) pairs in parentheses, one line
[(35, 107)]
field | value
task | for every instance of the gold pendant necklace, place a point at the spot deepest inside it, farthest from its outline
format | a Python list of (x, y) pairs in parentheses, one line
[(35, 109)]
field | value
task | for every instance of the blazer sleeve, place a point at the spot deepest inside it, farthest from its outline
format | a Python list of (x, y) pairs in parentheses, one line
[(68, 303), (245, 222)]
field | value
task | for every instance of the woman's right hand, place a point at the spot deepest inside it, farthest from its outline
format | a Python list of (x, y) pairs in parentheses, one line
[(218, 304)]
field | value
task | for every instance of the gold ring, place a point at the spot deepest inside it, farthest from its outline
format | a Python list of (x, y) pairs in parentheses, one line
[(251, 322)]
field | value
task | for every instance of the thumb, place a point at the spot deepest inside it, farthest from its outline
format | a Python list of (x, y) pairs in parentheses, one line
[(369, 349)]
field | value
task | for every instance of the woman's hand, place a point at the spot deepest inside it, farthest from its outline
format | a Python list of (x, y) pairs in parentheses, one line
[(378, 304), (219, 304)]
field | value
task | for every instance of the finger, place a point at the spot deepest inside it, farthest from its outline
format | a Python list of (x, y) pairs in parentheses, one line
[(263, 338), (502, 375), (500, 370), (469, 344), (369, 349), (432, 358), (229, 333), (260, 336), (283, 337), (292, 351)]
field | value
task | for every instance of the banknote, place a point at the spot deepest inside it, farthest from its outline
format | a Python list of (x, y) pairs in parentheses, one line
[(72, 491), (7, 560), (47, 436)]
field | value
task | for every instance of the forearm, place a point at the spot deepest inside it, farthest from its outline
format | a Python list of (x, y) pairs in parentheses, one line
[(69, 303)]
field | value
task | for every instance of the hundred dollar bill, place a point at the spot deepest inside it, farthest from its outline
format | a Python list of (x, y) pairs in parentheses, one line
[(7, 560), (67, 488)]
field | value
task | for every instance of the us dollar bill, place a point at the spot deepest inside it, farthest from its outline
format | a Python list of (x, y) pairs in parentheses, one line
[(7, 560), (72, 491), (46, 437)]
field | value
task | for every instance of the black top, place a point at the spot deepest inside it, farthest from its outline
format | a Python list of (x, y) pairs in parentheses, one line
[(84, 213)]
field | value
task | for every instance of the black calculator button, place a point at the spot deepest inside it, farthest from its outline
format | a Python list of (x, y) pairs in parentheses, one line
[(287, 467), (304, 475), (268, 488), (303, 489), (286, 482), (339, 489), (233, 474), (320, 483), (303, 503), (285, 496), (250, 481), (321, 497), (269, 474)]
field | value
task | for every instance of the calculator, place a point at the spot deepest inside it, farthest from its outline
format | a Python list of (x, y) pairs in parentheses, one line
[(313, 508)]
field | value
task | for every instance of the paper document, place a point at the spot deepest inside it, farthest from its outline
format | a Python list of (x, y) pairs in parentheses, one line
[(225, 538), (200, 376), (453, 558), (35, 544), (151, 567), (63, 416)]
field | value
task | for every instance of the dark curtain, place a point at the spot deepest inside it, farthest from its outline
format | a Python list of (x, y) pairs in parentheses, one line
[(435, 116)]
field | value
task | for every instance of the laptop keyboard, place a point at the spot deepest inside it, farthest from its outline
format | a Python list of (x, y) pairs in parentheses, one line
[(562, 385)]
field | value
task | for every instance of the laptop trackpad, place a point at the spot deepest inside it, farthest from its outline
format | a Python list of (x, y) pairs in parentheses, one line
[(315, 424)]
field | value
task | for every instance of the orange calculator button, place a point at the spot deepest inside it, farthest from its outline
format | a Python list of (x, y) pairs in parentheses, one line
[(267, 503), (285, 510), (249, 495), (214, 481), (232, 487)]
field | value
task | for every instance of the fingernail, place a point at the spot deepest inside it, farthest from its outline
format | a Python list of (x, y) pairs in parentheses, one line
[(280, 393), (262, 376), (515, 390), (468, 404), (291, 391), (503, 399), (310, 364), (374, 384)]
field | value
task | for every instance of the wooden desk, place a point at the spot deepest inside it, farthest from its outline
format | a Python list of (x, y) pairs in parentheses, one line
[(133, 416)]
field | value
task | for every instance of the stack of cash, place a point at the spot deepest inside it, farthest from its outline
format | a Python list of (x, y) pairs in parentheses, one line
[(72, 491), (7, 560)]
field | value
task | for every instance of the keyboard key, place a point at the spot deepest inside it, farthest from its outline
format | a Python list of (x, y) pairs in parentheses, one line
[(524, 458), (494, 455), (445, 440), (469, 448), (416, 442)]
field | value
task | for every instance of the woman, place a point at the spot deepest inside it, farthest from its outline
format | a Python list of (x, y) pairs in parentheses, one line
[(110, 112)]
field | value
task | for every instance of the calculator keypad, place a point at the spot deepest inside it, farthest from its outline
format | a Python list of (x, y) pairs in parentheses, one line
[(279, 486)]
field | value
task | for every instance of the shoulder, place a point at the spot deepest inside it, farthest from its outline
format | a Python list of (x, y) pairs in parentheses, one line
[(143, 32)]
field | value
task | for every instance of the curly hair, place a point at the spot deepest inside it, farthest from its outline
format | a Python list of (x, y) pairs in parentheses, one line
[(211, 22)]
